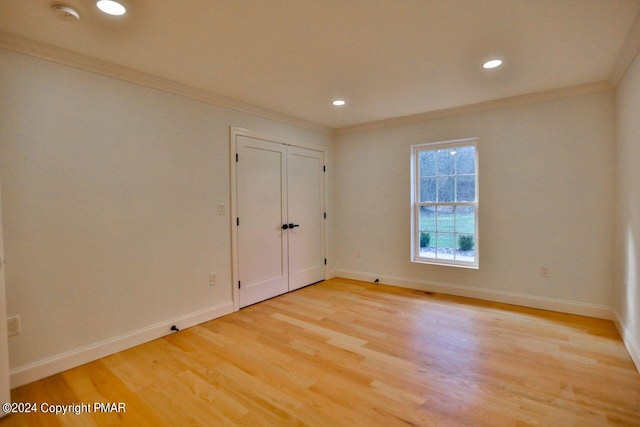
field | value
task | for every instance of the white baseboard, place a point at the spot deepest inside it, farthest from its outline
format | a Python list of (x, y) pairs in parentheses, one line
[(627, 338), (25, 374), (543, 303)]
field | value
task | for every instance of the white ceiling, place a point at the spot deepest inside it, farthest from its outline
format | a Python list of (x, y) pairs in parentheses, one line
[(387, 58)]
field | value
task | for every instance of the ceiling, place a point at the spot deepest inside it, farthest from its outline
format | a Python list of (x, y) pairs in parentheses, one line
[(386, 58)]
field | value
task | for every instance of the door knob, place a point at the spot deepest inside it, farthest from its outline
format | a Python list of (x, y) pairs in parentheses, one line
[(285, 226), (293, 225)]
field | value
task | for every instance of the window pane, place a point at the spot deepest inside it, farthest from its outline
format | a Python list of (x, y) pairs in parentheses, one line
[(465, 250), (427, 218), (465, 219), (445, 245), (427, 189), (466, 188), (465, 160), (445, 162), (427, 162), (429, 251), (446, 188), (445, 218)]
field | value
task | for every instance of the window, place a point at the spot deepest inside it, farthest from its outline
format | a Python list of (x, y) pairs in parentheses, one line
[(444, 197)]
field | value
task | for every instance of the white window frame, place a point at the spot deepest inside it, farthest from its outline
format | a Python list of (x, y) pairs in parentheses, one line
[(416, 204)]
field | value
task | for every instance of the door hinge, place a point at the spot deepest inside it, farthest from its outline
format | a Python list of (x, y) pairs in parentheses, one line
[(325, 215), (239, 285), (236, 157), (324, 168), (237, 221), (325, 261)]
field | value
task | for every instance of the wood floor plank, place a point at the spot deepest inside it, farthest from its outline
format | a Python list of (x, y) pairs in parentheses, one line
[(350, 353), (96, 383)]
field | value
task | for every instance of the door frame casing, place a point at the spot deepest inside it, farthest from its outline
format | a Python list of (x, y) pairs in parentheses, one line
[(5, 378), (234, 133)]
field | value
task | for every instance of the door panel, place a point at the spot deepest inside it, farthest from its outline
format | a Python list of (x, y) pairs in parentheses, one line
[(262, 202), (305, 208)]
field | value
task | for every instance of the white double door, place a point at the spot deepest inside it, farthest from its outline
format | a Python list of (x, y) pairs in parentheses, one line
[(280, 218)]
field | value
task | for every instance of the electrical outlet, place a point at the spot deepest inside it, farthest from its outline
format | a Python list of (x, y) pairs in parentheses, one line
[(13, 326), (221, 209), (545, 272), (213, 279)]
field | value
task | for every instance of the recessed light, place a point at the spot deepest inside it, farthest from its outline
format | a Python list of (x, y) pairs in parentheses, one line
[(111, 7), (492, 63), (339, 102)]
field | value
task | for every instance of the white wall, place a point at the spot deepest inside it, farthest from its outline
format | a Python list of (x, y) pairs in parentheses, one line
[(627, 280), (547, 196), (109, 197)]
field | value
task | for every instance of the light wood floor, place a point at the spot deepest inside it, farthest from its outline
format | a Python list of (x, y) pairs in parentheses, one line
[(347, 353)]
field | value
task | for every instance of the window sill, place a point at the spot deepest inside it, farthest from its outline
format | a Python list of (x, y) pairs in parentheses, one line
[(446, 264)]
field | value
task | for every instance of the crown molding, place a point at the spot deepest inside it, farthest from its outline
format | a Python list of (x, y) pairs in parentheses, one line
[(513, 101), (628, 53), (73, 59)]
